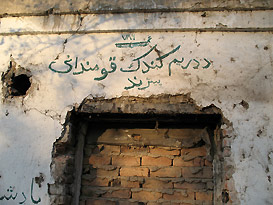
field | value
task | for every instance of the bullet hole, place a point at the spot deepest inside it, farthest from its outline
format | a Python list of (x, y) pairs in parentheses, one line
[(204, 14), (259, 133), (49, 11), (265, 77), (225, 196), (40, 179), (244, 104), (19, 85), (16, 81), (256, 46), (7, 113), (269, 178), (266, 48), (232, 59)]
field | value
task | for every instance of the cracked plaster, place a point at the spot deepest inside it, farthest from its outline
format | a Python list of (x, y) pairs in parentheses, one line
[(241, 71)]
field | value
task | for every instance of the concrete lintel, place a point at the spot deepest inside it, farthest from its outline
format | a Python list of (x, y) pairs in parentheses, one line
[(162, 104)]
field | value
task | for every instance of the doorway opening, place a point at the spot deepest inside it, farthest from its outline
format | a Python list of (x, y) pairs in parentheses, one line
[(134, 157)]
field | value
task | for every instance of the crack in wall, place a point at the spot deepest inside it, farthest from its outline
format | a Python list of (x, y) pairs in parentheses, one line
[(80, 20)]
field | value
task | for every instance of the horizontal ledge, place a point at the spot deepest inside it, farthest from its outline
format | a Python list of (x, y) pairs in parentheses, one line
[(246, 21), (255, 30), (133, 10)]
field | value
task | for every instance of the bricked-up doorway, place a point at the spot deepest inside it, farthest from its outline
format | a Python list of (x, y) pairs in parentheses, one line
[(147, 162), (138, 151)]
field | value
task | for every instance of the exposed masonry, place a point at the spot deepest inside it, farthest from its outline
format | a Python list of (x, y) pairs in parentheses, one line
[(114, 174), (68, 150)]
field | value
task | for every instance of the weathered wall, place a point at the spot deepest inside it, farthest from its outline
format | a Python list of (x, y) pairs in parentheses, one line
[(38, 7), (222, 58)]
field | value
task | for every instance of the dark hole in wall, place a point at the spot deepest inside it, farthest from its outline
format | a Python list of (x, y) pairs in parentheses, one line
[(225, 196), (20, 85)]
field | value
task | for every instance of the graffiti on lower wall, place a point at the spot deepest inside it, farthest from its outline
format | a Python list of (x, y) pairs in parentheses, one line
[(21, 198), (142, 63)]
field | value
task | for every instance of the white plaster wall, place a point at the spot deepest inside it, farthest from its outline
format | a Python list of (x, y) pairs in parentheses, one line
[(241, 69)]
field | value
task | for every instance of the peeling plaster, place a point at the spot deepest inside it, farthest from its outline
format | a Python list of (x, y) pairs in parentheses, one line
[(239, 83)]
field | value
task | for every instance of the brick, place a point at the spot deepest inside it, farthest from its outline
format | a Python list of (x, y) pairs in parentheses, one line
[(165, 152), (167, 172), (154, 203), (105, 173), (115, 183), (179, 162), (127, 203), (97, 160), (198, 162), (197, 172), (133, 150), (91, 191), (106, 149), (157, 184), (189, 154), (137, 179), (191, 186), (204, 196), (121, 194), (156, 161), (179, 196), (134, 171), (146, 196), (130, 184), (99, 202), (125, 161), (98, 181)]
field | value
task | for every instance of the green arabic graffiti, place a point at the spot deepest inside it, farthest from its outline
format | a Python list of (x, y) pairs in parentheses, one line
[(134, 44), (11, 196), (144, 63), (140, 83)]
